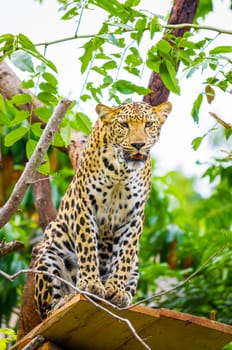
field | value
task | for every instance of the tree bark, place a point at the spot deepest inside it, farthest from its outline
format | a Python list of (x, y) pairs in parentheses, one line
[(183, 11), (28, 174), (10, 247), (10, 85), (43, 200)]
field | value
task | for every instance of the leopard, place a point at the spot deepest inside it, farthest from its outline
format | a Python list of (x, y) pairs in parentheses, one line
[(93, 243)]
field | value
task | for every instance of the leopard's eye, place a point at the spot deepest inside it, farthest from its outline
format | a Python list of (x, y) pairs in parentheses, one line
[(148, 124), (125, 125)]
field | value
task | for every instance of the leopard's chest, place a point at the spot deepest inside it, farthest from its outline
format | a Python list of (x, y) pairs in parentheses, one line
[(115, 205)]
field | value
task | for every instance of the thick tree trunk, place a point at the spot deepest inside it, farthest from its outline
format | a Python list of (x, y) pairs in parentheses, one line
[(183, 11)]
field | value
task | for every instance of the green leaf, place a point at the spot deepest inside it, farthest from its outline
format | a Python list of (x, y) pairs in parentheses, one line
[(204, 8), (58, 141), (85, 97), (2, 103), (168, 75), (65, 132), (154, 26), (140, 27), (26, 43), (90, 48), (48, 88), (47, 98), (196, 107), (21, 99), (112, 7), (43, 113), (6, 37), (20, 116), (23, 61), (196, 142), (130, 3), (30, 147), (141, 24), (109, 65), (126, 87), (14, 136), (134, 59), (50, 79), (107, 81), (83, 123), (153, 60), (163, 47), (4, 119), (27, 84), (221, 49), (70, 14), (36, 129), (99, 70), (112, 39)]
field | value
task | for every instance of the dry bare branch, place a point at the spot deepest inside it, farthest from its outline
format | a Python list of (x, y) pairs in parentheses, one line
[(10, 247), (32, 165), (34, 343)]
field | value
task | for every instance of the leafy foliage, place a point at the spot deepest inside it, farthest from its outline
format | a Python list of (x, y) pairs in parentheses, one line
[(182, 229), (9, 336)]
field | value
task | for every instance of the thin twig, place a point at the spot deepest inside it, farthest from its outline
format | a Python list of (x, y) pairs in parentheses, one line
[(197, 27), (165, 26), (34, 343), (32, 165), (88, 296), (43, 179)]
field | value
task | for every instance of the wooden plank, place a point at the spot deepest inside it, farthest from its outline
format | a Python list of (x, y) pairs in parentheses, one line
[(81, 325)]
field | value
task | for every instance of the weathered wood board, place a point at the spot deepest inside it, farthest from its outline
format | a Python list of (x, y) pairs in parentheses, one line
[(80, 325)]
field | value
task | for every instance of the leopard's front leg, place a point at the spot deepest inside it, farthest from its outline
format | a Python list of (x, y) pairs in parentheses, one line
[(121, 285), (88, 278)]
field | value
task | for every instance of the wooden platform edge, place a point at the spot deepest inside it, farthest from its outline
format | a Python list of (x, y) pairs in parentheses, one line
[(154, 313)]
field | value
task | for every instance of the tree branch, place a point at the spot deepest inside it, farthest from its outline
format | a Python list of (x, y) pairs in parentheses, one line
[(164, 26), (32, 165), (10, 247), (197, 27), (43, 199)]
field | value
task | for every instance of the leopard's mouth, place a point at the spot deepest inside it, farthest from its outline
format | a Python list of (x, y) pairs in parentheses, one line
[(135, 157)]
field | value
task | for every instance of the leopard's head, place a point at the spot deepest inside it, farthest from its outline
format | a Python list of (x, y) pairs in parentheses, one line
[(133, 128)]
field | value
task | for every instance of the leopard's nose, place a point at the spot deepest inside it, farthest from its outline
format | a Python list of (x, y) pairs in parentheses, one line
[(138, 145)]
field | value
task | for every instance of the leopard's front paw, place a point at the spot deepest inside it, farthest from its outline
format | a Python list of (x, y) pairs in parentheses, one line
[(117, 296), (92, 286)]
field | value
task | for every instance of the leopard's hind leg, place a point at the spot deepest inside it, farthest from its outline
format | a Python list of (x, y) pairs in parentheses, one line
[(50, 292)]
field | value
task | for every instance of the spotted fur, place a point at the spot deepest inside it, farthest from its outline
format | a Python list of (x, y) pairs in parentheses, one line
[(93, 242)]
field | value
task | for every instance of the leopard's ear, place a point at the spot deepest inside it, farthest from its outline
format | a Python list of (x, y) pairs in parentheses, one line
[(105, 113), (162, 111)]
